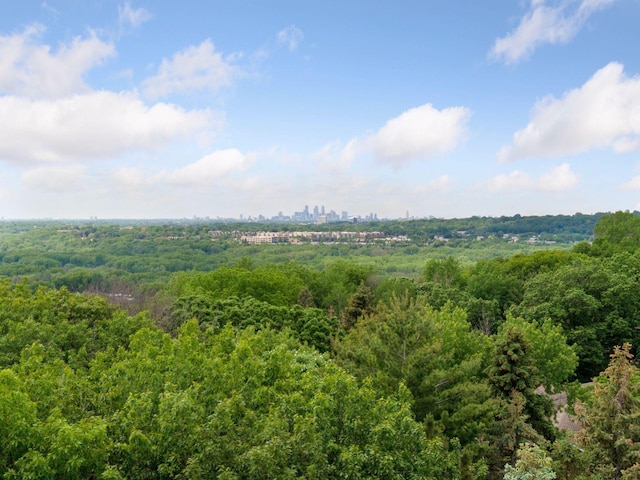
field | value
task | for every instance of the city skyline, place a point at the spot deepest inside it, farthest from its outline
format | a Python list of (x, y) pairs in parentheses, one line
[(319, 215)]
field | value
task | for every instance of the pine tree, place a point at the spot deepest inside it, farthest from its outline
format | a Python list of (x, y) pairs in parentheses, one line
[(360, 304), (525, 415), (611, 421), (513, 370)]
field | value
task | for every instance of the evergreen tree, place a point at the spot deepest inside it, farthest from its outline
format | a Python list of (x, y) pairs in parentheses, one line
[(532, 464), (360, 304), (611, 421), (525, 414)]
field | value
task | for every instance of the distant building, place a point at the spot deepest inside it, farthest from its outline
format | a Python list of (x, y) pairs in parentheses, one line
[(263, 237)]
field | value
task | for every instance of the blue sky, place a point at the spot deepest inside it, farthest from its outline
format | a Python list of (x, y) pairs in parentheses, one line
[(450, 108)]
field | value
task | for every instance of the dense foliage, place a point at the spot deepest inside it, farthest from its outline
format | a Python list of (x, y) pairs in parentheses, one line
[(203, 358), (92, 401)]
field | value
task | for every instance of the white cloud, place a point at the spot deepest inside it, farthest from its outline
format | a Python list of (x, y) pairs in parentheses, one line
[(131, 16), (334, 157), (419, 132), (291, 37), (558, 179), (604, 112), (545, 24), (202, 173), (195, 68), (208, 169), (34, 70), (440, 185), (93, 125), (633, 184), (55, 178), (513, 181)]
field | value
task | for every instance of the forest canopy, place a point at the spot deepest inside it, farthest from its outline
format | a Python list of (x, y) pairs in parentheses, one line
[(124, 354)]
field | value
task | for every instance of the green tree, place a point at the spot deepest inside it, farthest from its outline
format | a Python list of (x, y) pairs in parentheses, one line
[(611, 419), (515, 426), (65, 323), (310, 325), (493, 280), (389, 287), (514, 377), (254, 405), (435, 353), (337, 283), (269, 283), (616, 232), (554, 360), (360, 304), (532, 464), (17, 420), (597, 303), (447, 272)]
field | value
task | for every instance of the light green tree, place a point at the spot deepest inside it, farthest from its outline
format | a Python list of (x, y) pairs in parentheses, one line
[(554, 360), (532, 464)]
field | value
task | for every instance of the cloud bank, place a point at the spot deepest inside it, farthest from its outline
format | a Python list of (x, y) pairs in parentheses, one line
[(200, 174), (48, 114), (559, 179), (93, 125), (420, 132), (31, 69), (417, 133), (59, 179), (206, 170), (603, 113), (633, 184)]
